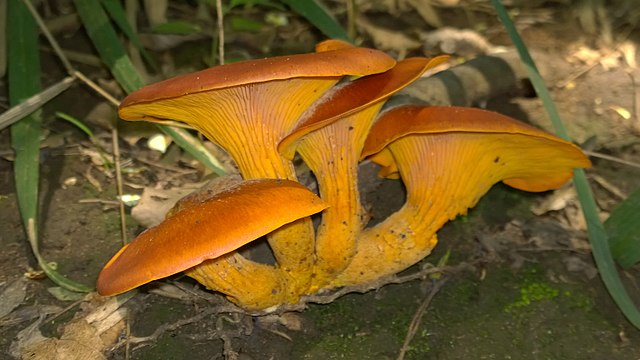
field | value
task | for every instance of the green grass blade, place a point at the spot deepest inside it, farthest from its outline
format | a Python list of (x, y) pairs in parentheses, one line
[(24, 81), (319, 16), (79, 124), (623, 228), (597, 234), (116, 12), (106, 41)]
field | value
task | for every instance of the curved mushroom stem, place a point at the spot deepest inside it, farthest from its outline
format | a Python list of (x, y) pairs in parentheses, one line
[(249, 130), (445, 174), (332, 154), (245, 282), (330, 140)]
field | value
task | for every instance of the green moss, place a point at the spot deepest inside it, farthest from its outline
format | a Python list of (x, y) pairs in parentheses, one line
[(533, 292)]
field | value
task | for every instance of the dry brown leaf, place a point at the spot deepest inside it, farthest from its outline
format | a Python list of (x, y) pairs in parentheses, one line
[(84, 338), (463, 42), (389, 40), (12, 296), (556, 201), (155, 203)]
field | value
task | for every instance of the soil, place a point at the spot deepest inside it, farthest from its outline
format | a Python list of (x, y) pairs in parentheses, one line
[(530, 289)]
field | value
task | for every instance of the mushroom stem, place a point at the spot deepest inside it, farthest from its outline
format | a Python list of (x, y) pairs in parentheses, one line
[(251, 285), (445, 173), (335, 168)]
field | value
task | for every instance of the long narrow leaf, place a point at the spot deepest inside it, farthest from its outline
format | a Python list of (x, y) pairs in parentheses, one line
[(115, 10), (24, 81), (34, 102), (106, 41), (624, 230), (597, 235), (318, 15)]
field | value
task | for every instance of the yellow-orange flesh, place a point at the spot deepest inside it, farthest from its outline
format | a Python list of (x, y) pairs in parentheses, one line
[(449, 159), (247, 108), (329, 139)]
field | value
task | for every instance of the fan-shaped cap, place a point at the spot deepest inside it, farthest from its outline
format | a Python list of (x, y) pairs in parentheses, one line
[(334, 59), (555, 157), (207, 230), (356, 96)]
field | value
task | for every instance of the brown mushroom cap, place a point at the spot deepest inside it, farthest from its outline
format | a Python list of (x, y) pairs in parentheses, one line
[(207, 230)]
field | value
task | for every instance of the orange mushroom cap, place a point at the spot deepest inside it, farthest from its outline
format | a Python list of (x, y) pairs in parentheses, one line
[(248, 108), (332, 44), (356, 96), (207, 230), (329, 138), (333, 60), (448, 157), (556, 160)]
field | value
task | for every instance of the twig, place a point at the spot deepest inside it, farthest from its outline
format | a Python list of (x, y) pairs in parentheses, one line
[(605, 184), (116, 161), (612, 158), (394, 279), (127, 336), (96, 88), (220, 32), (145, 340), (417, 317), (45, 31), (351, 19), (167, 167)]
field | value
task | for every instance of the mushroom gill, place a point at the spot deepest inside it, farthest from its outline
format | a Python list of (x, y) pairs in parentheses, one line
[(248, 108)]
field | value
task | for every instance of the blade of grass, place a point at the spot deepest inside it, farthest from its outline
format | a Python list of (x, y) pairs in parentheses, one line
[(624, 230), (320, 17), (34, 102), (24, 81), (117, 13), (597, 234), (112, 53)]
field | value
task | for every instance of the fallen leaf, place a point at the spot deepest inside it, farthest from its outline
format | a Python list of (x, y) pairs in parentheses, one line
[(155, 203), (12, 296), (389, 40)]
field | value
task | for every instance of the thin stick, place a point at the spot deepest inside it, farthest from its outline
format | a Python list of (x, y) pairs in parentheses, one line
[(116, 161), (612, 158), (102, 92), (54, 44), (351, 19), (127, 336), (220, 32), (417, 317)]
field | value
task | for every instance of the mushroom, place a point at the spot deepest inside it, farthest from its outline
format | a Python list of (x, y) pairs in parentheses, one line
[(448, 157), (248, 108), (207, 229), (329, 138)]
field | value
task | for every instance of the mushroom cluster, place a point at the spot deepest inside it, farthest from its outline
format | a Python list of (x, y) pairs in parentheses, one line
[(325, 107)]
